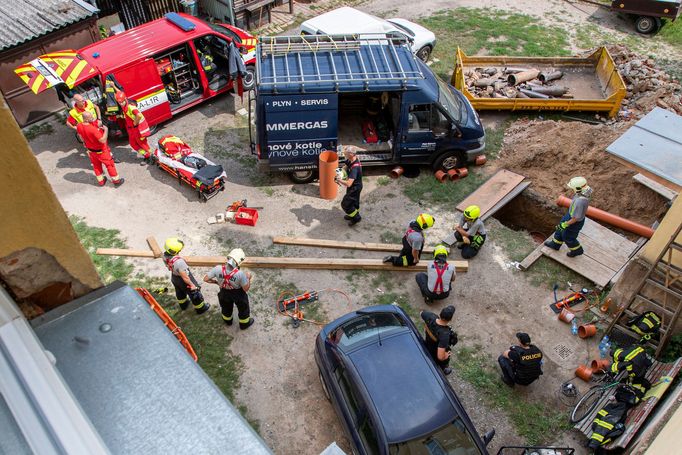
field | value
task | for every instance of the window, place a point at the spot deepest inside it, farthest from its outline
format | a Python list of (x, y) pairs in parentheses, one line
[(368, 436), (347, 391), (226, 31), (452, 439), (364, 327), (427, 117)]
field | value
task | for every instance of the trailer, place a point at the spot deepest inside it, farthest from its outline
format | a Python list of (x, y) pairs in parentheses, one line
[(593, 82), (646, 14)]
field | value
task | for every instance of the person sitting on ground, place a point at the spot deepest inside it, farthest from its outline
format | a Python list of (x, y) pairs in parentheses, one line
[(413, 242), (521, 364), (439, 336), (435, 283), (470, 233)]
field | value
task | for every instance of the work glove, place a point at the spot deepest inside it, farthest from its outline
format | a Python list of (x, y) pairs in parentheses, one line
[(561, 226)]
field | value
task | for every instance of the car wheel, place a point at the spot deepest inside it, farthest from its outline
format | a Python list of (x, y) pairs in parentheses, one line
[(646, 24), (449, 160), (324, 386), (302, 176), (424, 53), (249, 79)]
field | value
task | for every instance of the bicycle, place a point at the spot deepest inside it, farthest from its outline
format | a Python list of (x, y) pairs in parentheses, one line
[(589, 400)]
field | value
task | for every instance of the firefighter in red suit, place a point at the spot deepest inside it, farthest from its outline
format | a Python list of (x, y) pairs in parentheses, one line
[(95, 139), (137, 127)]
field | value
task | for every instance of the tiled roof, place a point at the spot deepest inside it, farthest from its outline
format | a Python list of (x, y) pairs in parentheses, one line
[(24, 20)]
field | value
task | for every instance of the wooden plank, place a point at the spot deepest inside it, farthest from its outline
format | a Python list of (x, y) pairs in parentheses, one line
[(608, 239), (323, 243), (505, 200), (598, 253), (531, 258), (154, 246), (582, 265), (492, 191), (291, 263), (655, 186)]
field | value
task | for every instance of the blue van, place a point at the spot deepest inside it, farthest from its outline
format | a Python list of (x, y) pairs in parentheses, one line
[(370, 93)]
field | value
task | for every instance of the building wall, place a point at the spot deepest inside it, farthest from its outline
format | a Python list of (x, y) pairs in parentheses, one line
[(26, 106), (42, 262)]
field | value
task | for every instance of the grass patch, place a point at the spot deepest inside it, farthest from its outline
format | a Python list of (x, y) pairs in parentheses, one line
[(390, 237), (494, 139), (110, 268), (671, 32), (383, 180), (34, 131), (536, 422), (426, 189), (491, 32)]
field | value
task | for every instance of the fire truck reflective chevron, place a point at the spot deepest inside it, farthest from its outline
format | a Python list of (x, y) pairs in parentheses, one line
[(57, 67)]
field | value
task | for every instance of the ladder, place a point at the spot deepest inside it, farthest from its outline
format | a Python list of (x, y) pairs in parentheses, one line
[(660, 291)]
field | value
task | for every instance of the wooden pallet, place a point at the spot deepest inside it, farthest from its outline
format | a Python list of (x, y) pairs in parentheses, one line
[(606, 253), (637, 415), (495, 192)]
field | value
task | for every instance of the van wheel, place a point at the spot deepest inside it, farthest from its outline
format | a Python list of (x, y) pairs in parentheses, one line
[(424, 53), (646, 24), (449, 160), (302, 176), (324, 386), (249, 79)]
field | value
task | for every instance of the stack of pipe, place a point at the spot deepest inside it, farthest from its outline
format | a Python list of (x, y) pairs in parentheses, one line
[(511, 82)]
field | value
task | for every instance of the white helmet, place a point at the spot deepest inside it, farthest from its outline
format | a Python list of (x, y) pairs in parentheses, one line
[(577, 184), (236, 257)]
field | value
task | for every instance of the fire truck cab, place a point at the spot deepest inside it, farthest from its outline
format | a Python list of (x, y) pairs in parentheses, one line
[(166, 66)]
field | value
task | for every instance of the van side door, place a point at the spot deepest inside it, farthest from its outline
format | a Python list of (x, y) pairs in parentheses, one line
[(424, 128), (142, 83)]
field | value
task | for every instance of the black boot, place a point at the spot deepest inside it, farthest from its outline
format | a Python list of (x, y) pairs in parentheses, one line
[(228, 321), (246, 325), (355, 220), (347, 217), (184, 305), (203, 309), (387, 259), (552, 244), (576, 252)]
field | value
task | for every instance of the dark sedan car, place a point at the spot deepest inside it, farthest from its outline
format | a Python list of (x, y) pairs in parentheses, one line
[(390, 396)]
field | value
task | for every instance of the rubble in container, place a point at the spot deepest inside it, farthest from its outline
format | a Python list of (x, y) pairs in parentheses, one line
[(511, 82), (647, 85)]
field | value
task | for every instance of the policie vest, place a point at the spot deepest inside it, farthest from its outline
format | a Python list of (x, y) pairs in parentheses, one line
[(529, 366)]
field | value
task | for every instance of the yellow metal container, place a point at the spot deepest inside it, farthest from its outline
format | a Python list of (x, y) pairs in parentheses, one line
[(594, 81)]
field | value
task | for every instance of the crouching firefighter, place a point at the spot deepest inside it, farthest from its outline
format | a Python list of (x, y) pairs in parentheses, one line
[(234, 285), (436, 282), (186, 286), (573, 220), (470, 233), (413, 242)]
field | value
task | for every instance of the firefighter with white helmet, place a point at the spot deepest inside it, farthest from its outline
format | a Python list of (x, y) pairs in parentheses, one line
[(186, 287), (435, 284), (470, 232), (573, 220), (234, 285)]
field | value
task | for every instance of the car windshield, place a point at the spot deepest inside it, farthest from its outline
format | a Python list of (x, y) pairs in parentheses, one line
[(364, 327), (451, 103), (403, 28), (225, 31), (452, 439)]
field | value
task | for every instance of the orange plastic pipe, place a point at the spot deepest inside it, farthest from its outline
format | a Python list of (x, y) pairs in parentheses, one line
[(329, 162), (611, 219)]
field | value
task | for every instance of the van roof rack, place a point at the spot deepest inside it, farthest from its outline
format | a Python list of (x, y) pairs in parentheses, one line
[(349, 62)]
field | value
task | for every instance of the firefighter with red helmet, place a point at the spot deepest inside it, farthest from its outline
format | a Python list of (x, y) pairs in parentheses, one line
[(137, 127)]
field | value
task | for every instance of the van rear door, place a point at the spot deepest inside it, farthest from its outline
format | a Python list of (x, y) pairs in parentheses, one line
[(48, 70), (141, 82), (298, 128)]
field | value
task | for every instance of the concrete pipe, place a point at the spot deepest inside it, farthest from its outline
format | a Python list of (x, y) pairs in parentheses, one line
[(329, 162), (611, 219), (545, 77), (533, 94), (484, 82), (523, 76), (551, 91)]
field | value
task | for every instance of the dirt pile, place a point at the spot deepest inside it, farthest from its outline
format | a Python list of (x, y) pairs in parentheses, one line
[(549, 153), (648, 86)]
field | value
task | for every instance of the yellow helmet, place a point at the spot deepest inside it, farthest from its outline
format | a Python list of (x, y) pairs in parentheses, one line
[(440, 250), (425, 220), (472, 212), (173, 245)]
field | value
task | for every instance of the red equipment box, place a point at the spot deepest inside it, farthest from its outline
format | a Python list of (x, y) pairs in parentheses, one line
[(246, 216)]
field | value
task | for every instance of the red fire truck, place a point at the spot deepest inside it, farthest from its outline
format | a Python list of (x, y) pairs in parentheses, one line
[(166, 66)]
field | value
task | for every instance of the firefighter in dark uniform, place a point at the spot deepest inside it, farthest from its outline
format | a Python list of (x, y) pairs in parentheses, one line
[(439, 337), (573, 220), (353, 183), (234, 285), (413, 242), (186, 286), (521, 364)]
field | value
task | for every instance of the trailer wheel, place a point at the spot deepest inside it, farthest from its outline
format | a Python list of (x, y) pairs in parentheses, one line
[(424, 53), (449, 160), (249, 79), (646, 24), (302, 176)]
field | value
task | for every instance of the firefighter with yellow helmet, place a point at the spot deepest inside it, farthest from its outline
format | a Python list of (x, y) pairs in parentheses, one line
[(435, 284), (234, 285), (186, 286), (413, 242), (470, 232), (573, 220)]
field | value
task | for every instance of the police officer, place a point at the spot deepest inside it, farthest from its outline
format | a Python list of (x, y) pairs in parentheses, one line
[(521, 364), (439, 337), (351, 201), (573, 220), (435, 283), (186, 286), (470, 233), (234, 285), (413, 242)]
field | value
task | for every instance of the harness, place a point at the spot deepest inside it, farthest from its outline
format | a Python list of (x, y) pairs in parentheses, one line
[(227, 277), (440, 271), (170, 262), (77, 114)]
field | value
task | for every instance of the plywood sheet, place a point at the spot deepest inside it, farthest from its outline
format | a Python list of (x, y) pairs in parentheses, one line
[(583, 265), (492, 191)]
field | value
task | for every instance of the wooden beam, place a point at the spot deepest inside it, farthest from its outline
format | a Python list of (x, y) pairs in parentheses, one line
[(289, 263), (154, 246), (323, 243), (492, 191), (655, 186)]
